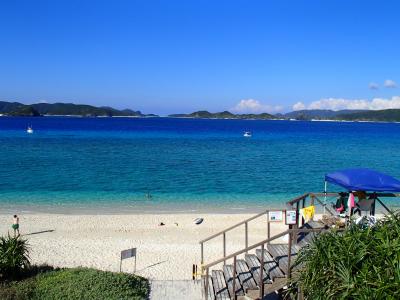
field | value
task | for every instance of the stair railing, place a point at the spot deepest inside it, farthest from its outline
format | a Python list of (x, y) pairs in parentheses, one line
[(246, 228), (290, 232)]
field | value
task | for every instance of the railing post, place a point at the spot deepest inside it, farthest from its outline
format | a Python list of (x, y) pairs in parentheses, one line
[(261, 282), (202, 255), (289, 255), (207, 281), (234, 278), (246, 233), (303, 205), (224, 246)]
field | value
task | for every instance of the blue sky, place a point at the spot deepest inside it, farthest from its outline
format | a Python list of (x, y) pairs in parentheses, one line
[(180, 56)]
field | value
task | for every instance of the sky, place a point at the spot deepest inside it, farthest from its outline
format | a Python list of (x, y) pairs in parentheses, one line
[(181, 56)]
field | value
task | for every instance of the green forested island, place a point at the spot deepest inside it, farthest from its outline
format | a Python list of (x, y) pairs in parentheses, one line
[(203, 114), (387, 115), (84, 110), (64, 109)]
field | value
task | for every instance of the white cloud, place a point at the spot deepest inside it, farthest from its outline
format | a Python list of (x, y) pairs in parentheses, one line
[(299, 106), (254, 106), (341, 103), (390, 83), (373, 86)]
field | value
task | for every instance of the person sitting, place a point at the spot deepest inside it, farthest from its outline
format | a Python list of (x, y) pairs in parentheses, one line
[(363, 203), (341, 203)]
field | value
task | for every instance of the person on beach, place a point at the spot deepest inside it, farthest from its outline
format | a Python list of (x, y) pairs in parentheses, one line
[(15, 225)]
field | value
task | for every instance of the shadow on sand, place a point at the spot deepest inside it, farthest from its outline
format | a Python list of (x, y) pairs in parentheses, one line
[(39, 232), (153, 265)]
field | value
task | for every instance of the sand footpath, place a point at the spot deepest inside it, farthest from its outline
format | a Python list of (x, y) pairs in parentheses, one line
[(163, 252)]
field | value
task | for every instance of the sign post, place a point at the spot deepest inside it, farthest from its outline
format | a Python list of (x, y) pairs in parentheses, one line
[(127, 254)]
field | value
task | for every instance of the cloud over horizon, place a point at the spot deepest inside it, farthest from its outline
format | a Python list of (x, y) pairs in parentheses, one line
[(252, 106), (390, 83), (341, 103), (373, 86)]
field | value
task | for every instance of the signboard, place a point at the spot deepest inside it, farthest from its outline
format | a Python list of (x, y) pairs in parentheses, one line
[(290, 217), (127, 254), (275, 216)]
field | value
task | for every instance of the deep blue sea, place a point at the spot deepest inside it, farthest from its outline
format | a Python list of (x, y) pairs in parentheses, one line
[(114, 164)]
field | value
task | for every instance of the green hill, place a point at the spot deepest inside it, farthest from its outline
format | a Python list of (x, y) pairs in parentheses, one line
[(203, 114), (386, 115), (64, 109)]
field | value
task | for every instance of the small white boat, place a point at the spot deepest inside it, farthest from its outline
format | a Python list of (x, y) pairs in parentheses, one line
[(247, 134), (29, 130), (198, 221)]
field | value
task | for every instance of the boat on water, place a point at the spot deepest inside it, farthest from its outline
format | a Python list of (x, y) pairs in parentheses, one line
[(247, 134), (29, 129)]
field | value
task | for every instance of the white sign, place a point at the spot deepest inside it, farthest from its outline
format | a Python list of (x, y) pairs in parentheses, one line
[(275, 216), (291, 217)]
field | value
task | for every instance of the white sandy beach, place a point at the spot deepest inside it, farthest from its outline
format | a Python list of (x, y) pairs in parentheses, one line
[(164, 252)]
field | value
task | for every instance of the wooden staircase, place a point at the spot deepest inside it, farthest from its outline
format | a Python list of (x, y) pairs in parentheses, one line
[(273, 262)]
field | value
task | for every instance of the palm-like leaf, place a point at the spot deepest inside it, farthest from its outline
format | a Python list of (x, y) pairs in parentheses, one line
[(14, 256), (355, 264)]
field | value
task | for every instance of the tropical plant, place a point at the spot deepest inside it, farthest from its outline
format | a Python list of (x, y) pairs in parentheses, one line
[(14, 256), (359, 263)]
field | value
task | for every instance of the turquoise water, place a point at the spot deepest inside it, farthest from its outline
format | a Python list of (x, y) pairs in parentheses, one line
[(112, 164)]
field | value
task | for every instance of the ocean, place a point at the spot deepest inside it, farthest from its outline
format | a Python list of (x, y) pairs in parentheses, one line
[(179, 165)]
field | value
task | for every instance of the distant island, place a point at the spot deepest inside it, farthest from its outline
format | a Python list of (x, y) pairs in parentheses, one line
[(203, 114), (386, 115), (84, 110), (65, 109)]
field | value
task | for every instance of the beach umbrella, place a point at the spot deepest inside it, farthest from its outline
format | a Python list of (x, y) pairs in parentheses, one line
[(363, 180)]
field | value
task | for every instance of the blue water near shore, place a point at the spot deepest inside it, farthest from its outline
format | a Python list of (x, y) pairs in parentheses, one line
[(184, 164)]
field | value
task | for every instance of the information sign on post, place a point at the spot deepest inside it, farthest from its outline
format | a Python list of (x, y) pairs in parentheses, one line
[(275, 216), (291, 217), (125, 254)]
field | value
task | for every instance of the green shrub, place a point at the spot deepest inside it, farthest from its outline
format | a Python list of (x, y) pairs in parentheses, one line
[(78, 283), (14, 257), (355, 264)]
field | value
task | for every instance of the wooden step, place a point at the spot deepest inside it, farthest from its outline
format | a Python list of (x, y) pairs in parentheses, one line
[(314, 224), (254, 266), (305, 239), (270, 265), (244, 275), (210, 293), (280, 254), (220, 288), (269, 290), (229, 277)]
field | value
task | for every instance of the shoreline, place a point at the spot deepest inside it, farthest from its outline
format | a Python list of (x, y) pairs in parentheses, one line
[(199, 118), (155, 209)]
